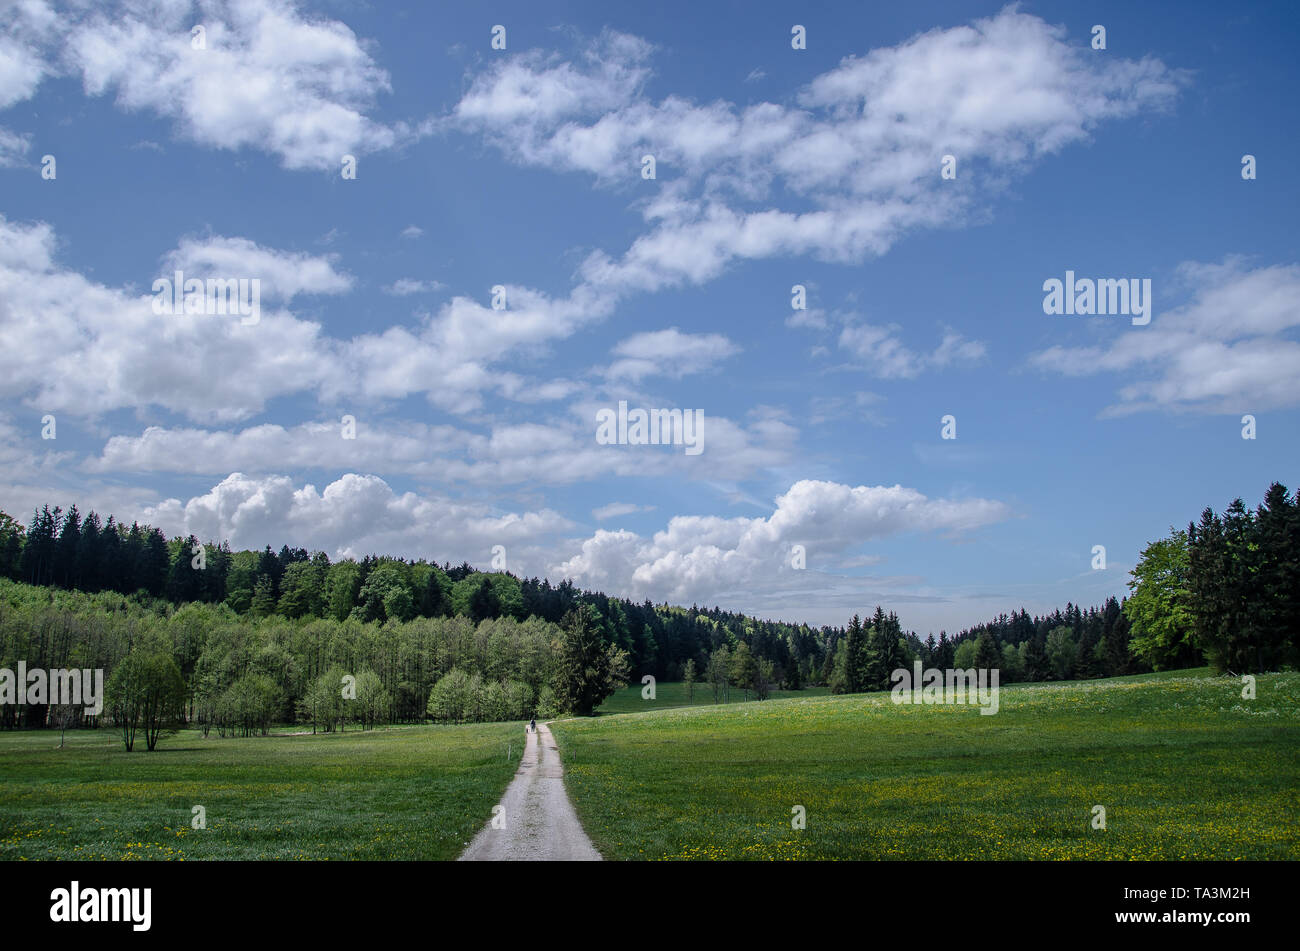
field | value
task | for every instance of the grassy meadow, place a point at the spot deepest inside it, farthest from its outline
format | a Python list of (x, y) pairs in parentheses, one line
[(1185, 768), (417, 792), (628, 700)]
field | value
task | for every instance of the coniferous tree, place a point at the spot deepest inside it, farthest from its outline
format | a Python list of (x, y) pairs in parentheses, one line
[(65, 554), (184, 579), (87, 565), (269, 566), (213, 589), (987, 654), (483, 603), (885, 650), (1277, 580), (1036, 664), (944, 652), (264, 600), (435, 598), (588, 670), (38, 553), (132, 549), (153, 563), (855, 661), (1246, 642)]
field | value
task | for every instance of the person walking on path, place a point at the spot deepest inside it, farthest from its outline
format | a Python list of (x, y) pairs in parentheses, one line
[(532, 724)]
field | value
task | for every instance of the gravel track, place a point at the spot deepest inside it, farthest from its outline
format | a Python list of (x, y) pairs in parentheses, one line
[(540, 824)]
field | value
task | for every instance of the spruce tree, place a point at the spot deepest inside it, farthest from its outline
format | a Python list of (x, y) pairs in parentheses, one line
[(65, 554), (987, 654), (854, 659), (1278, 577), (88, 563)]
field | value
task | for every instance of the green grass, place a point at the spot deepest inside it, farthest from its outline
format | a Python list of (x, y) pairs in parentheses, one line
[(417, 792), (1185, 768), (1195, 672), (667, 695)]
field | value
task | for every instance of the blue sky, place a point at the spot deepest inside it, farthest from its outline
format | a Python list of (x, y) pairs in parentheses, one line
[(522, 167)]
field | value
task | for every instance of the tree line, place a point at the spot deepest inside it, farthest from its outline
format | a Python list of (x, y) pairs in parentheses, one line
[(258, 638), (203, 665), (1224, 590), (65, 550)]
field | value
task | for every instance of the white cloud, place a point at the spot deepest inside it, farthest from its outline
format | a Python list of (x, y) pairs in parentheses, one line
[(884, 355), (270, 78), (1230, 349), (535, 87), (668, 353), (283, 274), (26, 456), (54, 323), (397, 447), (618, 509), (858, 405), (353, 516), (23, 59), (28, 27), (412, 231), (13, 148), (554, 453), (812, 318), (696, 558), (858, 157), (448, 357)]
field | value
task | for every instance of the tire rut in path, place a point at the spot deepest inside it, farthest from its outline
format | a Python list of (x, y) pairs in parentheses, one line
[(540, 824)]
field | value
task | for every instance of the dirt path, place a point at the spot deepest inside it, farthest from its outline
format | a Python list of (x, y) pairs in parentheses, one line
[(540, 824)]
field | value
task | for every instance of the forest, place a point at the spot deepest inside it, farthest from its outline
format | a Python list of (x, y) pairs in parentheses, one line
[(242, 640)]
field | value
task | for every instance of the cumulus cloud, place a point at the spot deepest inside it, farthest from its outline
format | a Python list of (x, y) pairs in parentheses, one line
[(904, 102), (29, 26), (544, 92), (283, 274), (553, 453), (854, 161), (668, 353), (696, 557), (353, 516), (54, 322), (448, 357), (618, 509), (1231, 348), (270, 78)]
